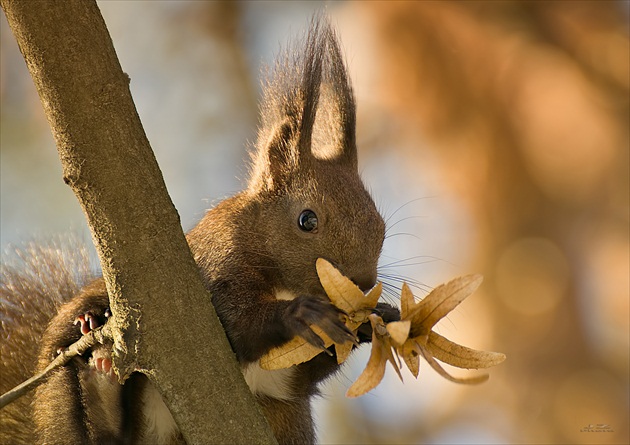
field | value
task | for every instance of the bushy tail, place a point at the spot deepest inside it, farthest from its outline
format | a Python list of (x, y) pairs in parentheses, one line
[(35, 280)]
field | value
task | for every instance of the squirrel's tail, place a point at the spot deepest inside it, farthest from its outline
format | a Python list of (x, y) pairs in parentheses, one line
[(35, 280)]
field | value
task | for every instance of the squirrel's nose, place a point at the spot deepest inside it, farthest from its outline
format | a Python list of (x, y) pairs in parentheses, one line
[(365, 281)]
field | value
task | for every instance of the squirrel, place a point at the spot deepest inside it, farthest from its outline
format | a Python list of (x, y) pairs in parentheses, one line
[(256, 252)]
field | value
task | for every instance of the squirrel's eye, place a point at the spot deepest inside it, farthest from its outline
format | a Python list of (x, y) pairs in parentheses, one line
[(308, 221)]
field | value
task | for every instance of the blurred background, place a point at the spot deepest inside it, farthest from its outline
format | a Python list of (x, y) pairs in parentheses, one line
[(494, 137)]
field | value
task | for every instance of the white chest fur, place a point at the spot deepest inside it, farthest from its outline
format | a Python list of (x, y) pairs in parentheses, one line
[(160, 424), (283, 294), (276, 383)]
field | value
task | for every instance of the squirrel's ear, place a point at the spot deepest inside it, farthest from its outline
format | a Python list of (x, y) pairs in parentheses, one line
[(328, 112), (307, 111), (335, 126), (275, 158)]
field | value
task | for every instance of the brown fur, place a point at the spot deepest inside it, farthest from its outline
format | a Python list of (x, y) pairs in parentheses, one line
[(35, 281), (249, 248)]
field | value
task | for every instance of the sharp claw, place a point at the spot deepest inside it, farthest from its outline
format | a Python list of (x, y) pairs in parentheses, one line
[(340, 311), (340, 333), (107, 365), (313, 338), (85, 326), (93, 322)]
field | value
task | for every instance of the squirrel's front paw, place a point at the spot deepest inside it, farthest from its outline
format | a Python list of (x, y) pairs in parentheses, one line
[(305, 310)]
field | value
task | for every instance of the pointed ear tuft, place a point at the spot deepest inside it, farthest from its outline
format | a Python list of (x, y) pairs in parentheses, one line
[(337, 113), (307, 111), (274, 161), (329, 114)]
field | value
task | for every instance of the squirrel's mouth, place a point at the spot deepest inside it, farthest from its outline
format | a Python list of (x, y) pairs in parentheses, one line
[(365, 284), (364, 280)]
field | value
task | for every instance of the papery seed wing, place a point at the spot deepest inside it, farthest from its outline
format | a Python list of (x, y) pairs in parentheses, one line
[(407, 302), (442, 300), (340, 289), (343, 351), (373, 372), (398, 331), (411, 357), (295, 351), (438, 368)]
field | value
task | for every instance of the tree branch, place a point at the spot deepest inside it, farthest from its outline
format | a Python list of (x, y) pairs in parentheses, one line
[(151, 277), (77, 348)]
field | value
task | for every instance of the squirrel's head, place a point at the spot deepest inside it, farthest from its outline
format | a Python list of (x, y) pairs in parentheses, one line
[(304, 173)]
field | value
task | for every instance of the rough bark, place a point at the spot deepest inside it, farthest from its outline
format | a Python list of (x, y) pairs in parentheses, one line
[(165, 322)]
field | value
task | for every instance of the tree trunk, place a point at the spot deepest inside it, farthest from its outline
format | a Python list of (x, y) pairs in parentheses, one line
[(153, 282)]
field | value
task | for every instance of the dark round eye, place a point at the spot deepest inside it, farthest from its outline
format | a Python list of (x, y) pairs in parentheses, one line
[(308, 221)]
